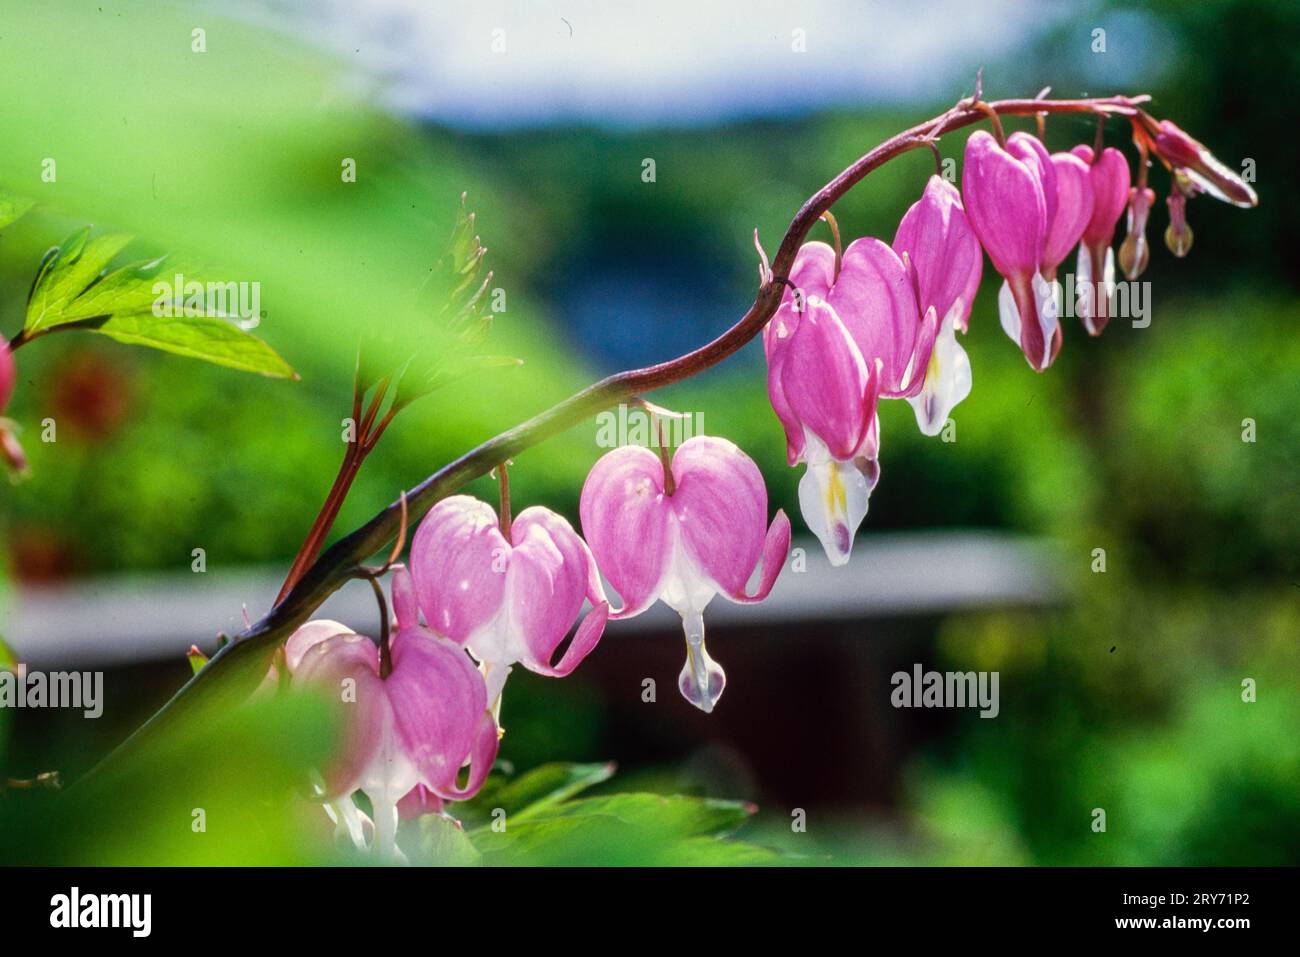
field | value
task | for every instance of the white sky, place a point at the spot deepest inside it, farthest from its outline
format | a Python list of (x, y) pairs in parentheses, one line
[(684, 61), (671, 61)]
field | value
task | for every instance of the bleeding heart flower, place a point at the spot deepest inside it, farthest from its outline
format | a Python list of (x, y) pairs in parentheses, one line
[(824, 393), (937, 243), (683, 537), (837, 343), (1028, 209), (509, 602), (1109, 175), (414, 720)]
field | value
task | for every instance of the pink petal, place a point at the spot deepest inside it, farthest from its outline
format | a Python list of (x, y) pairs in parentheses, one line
[(1110, 185), (875, 300), (344, 669), (776, 548), (943, 251), (481, 756), (825, 381), (1073, 210), (1005, 205), (1035, 321), (721, 509), (551, 574), (308, 636), (625, 522), (438, 698), (776, 340), (914, 375), (458, 560), (418, 802), (8, 373), (813, 271), (1029, 149)]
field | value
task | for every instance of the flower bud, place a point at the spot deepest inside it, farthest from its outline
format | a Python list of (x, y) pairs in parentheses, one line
[(1200, 166), (1178, 235), (1134, 253)]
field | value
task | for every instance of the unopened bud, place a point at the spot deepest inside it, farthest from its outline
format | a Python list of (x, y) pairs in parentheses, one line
[(1178, 235), (1134, 253), (197, 659), (1184, 154)]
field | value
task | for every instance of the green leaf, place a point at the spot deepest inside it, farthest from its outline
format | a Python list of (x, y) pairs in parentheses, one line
[(623, 829), (712, 852), (443, 842), (676, 814), (13, 207), (74, 266), (542, 787), (577, 840), (8, 660), (545, 824), (72, 286), (199, 337), (123, 291)]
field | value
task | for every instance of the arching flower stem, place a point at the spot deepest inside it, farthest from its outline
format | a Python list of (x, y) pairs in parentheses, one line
[(239, 666)]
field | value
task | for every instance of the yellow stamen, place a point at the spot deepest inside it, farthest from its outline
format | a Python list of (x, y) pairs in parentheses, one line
[(836, 497)]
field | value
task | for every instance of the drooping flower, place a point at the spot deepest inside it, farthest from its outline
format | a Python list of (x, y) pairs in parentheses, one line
[(1109, 174), (509, 602), (414, 720), (943, 256), (1025, 207), (836, 344), (683, 536), (1074, 205), (825, 393)]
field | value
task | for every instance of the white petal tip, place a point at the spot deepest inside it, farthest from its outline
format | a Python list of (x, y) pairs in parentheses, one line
[(702, 679)]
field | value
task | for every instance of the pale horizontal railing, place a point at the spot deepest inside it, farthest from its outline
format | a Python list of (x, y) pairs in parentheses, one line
[(122, 619)]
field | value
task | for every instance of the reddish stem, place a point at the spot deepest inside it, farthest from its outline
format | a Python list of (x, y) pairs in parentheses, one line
[(361, 445)]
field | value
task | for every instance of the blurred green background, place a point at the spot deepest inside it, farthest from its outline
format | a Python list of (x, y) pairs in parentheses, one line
[(1128, 697)]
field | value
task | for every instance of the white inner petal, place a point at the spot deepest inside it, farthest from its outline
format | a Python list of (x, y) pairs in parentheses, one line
[(833, 497)]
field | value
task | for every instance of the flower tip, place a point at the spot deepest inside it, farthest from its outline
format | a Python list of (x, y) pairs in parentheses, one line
[(702, 679), (839, 545), (1179, 241)]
